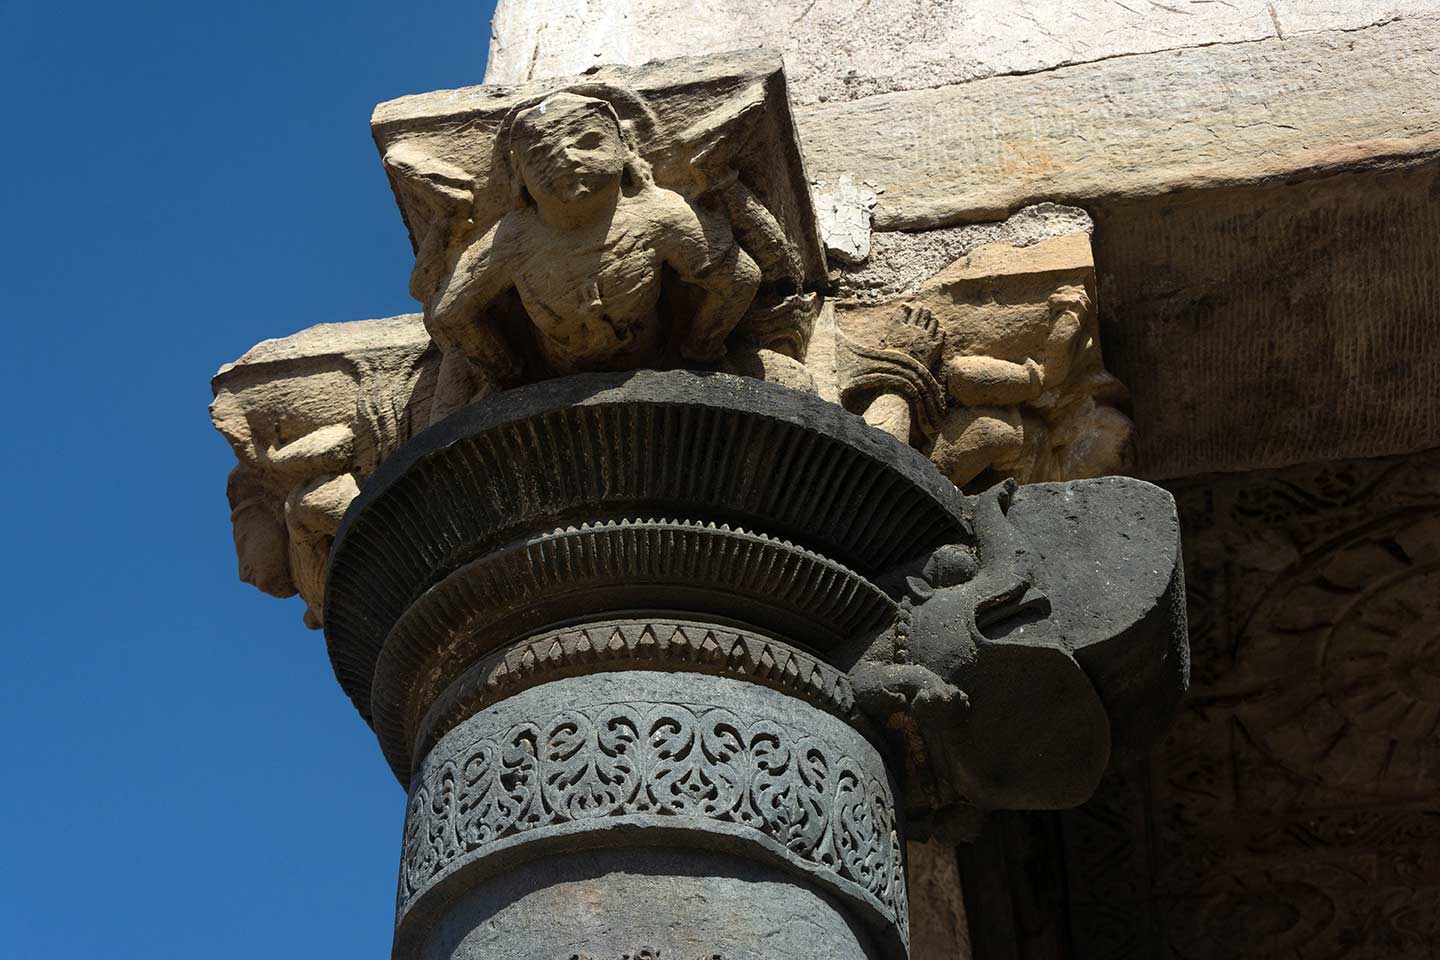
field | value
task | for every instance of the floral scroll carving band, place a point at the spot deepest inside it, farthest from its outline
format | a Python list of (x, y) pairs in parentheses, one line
[(824, 805)]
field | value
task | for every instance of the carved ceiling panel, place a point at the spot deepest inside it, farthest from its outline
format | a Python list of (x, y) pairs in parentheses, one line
[(1294, 810)]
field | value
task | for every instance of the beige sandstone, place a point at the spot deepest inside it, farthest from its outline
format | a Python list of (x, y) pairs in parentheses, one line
[(654, 217), (1137, 126), (992, 367), (309, 417), (845, 49)]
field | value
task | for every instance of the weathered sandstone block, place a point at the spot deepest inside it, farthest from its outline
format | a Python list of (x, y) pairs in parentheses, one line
[(847, 49), (1137, 126), (309, 417), (992, 367), (652, 217)]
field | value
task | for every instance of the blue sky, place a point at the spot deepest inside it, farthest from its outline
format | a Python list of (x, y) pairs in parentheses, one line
[(183, 777)]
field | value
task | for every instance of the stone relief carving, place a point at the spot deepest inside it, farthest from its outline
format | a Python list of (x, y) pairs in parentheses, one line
[(659, 218), (309, 416), (697, 762), (609, 222), (987, 631), (652, 644), (645, 953), (1293, 803), (992, 367)]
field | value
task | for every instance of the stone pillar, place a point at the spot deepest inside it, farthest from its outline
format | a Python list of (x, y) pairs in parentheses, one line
[(674, 660), (691, 814), (583, 626), (621, 636)]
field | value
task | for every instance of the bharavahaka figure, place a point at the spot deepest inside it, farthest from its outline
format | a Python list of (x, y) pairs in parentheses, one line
[(586, 249)]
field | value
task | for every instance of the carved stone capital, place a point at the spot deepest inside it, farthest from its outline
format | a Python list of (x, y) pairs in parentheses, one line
[(639, 614), (631, 217), (460, 564)]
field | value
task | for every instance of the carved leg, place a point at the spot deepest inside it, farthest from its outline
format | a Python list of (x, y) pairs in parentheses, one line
[(971, 439)]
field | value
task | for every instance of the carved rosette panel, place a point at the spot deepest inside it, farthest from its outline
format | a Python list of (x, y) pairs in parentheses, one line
[(1361, 710), (770, 776), (1292, 809)]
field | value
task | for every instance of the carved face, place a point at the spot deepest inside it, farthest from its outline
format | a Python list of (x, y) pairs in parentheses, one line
[(568, 149), (261, 542)]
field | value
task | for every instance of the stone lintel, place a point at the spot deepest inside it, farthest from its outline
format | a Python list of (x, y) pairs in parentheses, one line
[(1137, 126), (1276, 324), (840, 50)]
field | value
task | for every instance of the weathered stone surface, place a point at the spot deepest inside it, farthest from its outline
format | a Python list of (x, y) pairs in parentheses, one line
[(844, 217), (1137, 126), (844, 49), (1293, 805), (1034, 617), (309, 417), (602, 905), (649, 217), (898, 263), (992, 367), (1276, 324)]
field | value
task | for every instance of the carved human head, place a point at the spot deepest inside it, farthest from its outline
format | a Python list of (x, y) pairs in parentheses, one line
[(568, 148), (262, 543)]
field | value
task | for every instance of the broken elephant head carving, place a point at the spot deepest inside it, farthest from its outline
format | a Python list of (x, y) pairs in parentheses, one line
[(1023, 662)]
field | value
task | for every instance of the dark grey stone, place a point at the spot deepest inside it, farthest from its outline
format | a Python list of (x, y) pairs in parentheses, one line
[(645, 903), (674, 445), (1059, 640), (633, 759), (578, 574)]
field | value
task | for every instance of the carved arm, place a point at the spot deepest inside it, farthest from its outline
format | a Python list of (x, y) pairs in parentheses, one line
[(455, 317), (330, 449), (702, 250), (988, 381)]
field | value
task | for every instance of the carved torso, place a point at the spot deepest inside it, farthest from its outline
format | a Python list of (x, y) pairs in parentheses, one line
[(590, 292)]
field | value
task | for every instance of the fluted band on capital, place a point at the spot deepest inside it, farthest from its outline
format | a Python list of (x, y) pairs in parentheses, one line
[(723, 574), (704, 449)]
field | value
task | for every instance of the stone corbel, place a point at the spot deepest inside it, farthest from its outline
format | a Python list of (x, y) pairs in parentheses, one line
[(694, 169), (1008, 380), (309, 418)]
